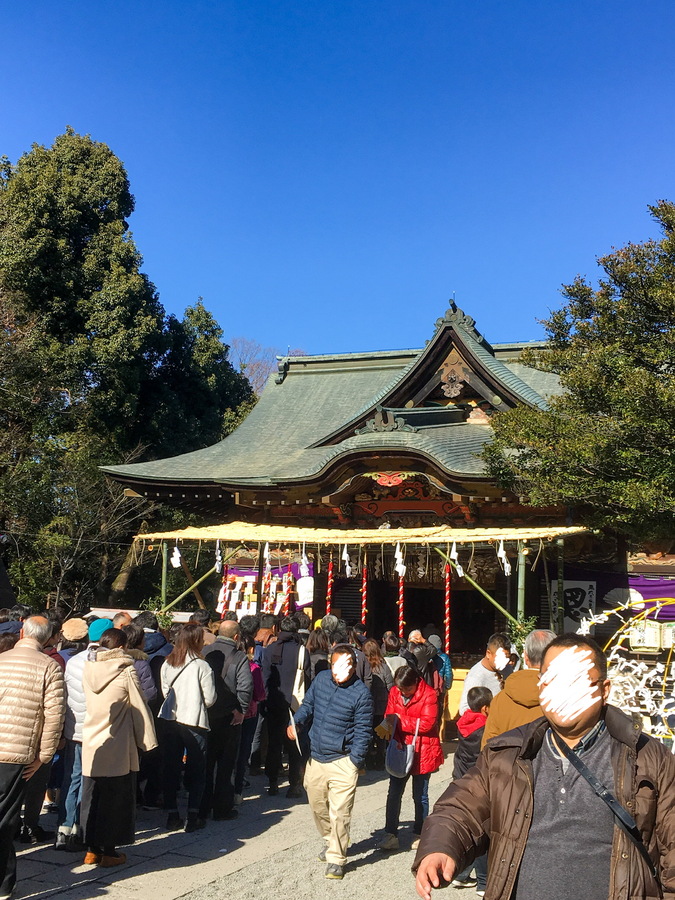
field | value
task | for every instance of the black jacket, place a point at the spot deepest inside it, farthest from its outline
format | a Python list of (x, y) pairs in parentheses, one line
[(234, 682), (467, 752), (280, 663)]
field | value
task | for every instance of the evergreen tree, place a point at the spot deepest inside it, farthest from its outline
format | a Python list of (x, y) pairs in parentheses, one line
[(605, 447), (92, 372)]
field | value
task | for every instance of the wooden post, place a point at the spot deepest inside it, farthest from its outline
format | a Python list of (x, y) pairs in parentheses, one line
[(561, 585), (522, 571), (165, 571)]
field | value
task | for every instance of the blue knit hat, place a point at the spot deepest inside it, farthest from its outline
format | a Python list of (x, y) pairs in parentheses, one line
[(97, 627)]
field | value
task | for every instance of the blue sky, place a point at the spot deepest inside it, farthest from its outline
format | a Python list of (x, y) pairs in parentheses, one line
[(326, 174)]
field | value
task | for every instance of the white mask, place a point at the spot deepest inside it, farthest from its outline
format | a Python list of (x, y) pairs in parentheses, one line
[(342, 668), (565, 689), (501, 659)]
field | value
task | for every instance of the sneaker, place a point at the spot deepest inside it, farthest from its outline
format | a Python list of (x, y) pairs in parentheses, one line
[(173, 821), (322, 854), (238, 799), (415, 842), (107, 862), (273, 790), (61, 841), (464, 882), (480, 892), (389, 842), (334, 871), (294, 793)]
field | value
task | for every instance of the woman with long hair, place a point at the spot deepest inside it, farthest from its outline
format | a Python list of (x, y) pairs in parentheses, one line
[(117, 723), (318, 646), (189, 688), (383, 681), (411, 718)]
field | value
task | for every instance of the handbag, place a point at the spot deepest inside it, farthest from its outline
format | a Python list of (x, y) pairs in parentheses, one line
[(168, 709), (623, 818), (399, 757), (298, 693)]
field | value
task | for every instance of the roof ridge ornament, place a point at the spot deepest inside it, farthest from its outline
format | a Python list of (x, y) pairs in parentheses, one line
[(283, 364), (385, 420), (456, 316)]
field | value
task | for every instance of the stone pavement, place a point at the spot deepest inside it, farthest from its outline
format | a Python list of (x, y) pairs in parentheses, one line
[(270, 851)]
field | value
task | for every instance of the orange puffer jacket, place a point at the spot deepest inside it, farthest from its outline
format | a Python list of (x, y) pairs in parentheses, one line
[(32, 704)]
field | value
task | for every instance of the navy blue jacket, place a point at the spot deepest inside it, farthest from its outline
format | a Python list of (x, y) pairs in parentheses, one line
[(341, 717)]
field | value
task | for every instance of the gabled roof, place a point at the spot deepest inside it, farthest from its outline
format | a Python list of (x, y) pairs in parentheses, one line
[(308, 417)]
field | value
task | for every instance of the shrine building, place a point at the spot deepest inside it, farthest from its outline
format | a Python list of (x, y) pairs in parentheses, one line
[(385, 441)]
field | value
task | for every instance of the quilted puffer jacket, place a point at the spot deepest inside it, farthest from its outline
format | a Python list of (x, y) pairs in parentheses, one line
[(341, 717), (144, 673), (75, 702), (422, 707), (32, 704)]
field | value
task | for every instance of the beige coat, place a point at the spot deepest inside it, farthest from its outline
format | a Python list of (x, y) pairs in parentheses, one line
[(117, 721), (32, 704)]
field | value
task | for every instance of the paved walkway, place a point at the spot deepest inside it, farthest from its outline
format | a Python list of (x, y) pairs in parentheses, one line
[(270, 851)]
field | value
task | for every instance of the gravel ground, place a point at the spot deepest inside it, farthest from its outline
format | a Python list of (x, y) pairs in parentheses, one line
[(296, 873)]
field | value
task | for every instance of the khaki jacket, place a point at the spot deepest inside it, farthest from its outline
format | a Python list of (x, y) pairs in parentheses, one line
[(117, 721), (32, 704), (495, 799), (515, 705)]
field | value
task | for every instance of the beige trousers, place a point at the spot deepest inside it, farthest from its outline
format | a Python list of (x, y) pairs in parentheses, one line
[(331, 788)]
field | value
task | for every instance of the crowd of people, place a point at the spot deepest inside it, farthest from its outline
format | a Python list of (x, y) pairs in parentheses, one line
[(104, 714), (108, 714)]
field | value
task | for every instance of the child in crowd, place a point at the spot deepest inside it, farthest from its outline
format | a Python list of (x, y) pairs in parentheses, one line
[(471, 726)]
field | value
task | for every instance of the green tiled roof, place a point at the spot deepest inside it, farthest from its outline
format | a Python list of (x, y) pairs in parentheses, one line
[(315, 398)]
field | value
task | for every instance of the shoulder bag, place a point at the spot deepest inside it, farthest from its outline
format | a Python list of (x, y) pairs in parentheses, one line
[(399, 757), (168, 708), (623, 818)]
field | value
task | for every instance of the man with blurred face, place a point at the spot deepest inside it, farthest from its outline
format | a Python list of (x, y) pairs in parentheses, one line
[(549, 832), (338, 709), (484, 673)]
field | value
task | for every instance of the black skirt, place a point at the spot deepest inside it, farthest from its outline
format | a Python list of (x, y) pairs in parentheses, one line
[(108, 810)]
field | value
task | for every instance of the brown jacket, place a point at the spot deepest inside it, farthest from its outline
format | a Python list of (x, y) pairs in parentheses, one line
[(32, 704), (515, 705), (495, 799), (117, 721)]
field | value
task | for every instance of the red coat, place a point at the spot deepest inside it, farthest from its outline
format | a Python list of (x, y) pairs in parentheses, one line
[(423, 705)]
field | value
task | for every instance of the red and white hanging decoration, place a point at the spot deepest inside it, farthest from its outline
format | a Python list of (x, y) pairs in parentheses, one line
[(400, 569), (266, 598), (329, 585), (448, 581), (364, 589), (288, 590)]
